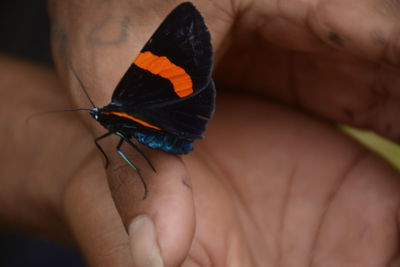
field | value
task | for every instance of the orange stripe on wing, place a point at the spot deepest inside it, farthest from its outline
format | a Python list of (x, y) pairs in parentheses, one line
[(130, 117), (183, 85)]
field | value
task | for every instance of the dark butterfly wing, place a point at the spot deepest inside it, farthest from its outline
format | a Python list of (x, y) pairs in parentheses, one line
[(169, 84), (184, 39), (186, 119)]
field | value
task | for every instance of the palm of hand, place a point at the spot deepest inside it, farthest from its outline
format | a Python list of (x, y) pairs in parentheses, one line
[(290, 192)]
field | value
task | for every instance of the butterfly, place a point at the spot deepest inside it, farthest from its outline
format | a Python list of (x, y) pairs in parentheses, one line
[(167, 95)]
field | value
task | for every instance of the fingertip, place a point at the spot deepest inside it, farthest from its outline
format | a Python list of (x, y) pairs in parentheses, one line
[(167, 213), (143, 243)]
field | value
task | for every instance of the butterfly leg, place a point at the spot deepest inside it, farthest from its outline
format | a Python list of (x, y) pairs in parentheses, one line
[(96, 141), (140, 151), (132, 165)]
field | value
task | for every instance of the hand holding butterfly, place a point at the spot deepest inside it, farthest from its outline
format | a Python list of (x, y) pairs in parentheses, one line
[(274, 183)]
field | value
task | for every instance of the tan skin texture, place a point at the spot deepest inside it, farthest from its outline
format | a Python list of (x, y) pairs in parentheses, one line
[(274, 183)]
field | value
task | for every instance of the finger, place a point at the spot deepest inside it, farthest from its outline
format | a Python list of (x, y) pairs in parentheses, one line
[(93, 219), (334, 67), (163, 223), (359, 92), (366, 28), (156, 231)]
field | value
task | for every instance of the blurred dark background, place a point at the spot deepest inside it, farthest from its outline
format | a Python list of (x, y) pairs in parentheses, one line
[(24, 29), (24, 32)]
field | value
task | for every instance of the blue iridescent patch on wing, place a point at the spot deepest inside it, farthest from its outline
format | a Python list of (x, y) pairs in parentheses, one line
[(166, 143)]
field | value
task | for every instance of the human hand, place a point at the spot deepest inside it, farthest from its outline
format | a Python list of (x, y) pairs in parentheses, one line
[(269, 185)]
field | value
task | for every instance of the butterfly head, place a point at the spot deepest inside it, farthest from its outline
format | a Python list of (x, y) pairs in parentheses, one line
[(96, 113)]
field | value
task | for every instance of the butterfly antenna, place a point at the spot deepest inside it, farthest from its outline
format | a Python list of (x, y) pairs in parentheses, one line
[(54, 111), (81, 84)]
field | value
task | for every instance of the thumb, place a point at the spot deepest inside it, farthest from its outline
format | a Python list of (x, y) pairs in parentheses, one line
[(160, 226)]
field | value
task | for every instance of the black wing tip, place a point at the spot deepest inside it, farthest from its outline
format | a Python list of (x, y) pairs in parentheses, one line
[(187, 7)]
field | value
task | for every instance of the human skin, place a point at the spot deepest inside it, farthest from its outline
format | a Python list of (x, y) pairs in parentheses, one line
[(274, 183)]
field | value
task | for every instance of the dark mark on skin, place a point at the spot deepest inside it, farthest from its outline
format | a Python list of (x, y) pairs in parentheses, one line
[(335, 38), (95, 38), (349, 114), (60, 39), (185, 183)]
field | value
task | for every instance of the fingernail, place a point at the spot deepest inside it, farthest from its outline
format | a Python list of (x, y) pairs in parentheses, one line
[(143, 242)]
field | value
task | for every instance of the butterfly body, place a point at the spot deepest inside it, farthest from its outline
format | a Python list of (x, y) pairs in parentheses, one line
[(128, 126)]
